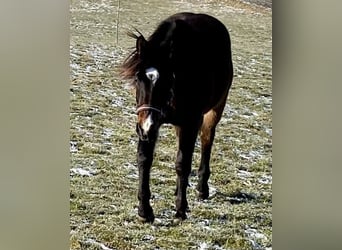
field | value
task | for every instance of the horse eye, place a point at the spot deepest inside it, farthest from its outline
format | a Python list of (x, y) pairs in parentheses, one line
[(137, 78)]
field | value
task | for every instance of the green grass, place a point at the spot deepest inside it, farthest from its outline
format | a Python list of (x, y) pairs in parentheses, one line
[(103, 201)]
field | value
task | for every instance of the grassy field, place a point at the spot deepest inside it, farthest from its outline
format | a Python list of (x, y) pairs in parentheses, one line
[(104, 177)]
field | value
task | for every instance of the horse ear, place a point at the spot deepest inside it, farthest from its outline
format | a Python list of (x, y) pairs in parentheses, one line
[(140, 44)]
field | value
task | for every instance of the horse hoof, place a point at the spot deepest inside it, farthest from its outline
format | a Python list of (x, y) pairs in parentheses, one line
[(146, 217), (145, 214), (177, 221), (203, 191), (149, 219), (180, 216)]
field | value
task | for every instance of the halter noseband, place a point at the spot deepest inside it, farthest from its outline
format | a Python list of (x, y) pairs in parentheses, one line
[(147, 107)]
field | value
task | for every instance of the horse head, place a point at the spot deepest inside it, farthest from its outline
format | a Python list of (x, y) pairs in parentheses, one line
[(153, 83)]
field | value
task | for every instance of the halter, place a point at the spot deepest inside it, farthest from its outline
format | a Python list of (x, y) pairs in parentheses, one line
[(147, 107)]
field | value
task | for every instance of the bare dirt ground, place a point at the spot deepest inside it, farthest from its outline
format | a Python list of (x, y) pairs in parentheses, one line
[(103, 173)]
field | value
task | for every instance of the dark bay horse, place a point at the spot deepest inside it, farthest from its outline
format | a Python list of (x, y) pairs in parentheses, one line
[(182, 74)]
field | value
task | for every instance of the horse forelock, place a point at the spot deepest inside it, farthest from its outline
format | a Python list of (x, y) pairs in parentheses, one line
[(131, 64), (160, 40)]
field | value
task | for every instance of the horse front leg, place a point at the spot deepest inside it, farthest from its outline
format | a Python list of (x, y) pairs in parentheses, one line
[(145, 158), (187, 138)]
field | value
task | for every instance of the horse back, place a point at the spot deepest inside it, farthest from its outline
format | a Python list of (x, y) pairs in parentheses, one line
[(201, 60)]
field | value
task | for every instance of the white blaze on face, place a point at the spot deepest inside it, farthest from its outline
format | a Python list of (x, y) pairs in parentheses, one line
[(152, 74), (147, 124)]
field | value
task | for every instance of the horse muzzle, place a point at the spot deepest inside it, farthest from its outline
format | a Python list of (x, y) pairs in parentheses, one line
[(147, 125), (146, 135)]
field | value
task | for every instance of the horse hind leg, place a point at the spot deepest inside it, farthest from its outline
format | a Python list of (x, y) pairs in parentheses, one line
[(207, 135)]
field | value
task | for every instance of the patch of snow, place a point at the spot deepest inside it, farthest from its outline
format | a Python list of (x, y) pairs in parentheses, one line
[(119, 102), (129, 166), (203, 246), (82, 172), (133, 176), (74, 66), (73, 146), (132, 169), (265, 179), (148, 238), (244, 174), (205, 225), (252, 155), (253, 233), (101, 245), (216, 247), (268, 131), (88, 69), (212, 191), (205, 222), (157, 221), (107, 133)]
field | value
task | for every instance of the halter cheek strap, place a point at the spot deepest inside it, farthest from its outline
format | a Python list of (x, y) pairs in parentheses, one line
[(147, 107)]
